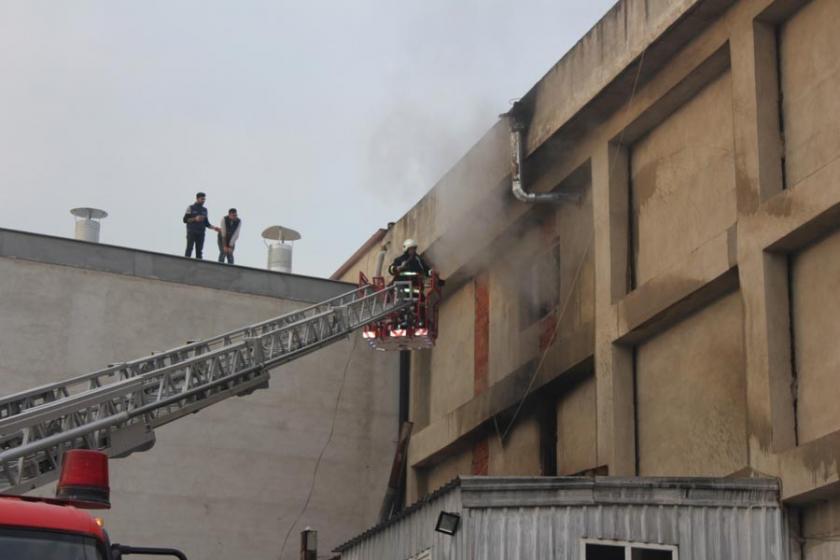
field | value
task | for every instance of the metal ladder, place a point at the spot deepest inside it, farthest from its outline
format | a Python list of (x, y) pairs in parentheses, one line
[(117, 409)]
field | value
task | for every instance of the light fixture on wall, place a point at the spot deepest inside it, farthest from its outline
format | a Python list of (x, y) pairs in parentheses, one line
[(447, 523)]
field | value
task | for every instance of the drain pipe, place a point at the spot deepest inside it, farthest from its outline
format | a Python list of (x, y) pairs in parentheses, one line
[(380, 261), (518, 126)]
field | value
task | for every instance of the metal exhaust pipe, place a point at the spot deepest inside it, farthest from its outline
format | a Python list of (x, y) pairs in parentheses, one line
[(518, 126)]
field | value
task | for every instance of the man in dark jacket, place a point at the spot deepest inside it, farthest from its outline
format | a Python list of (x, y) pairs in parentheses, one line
[(228, 235), (410, 264), (195, 216), (411, 267)]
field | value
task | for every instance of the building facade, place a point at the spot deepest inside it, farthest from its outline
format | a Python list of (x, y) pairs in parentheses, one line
[(231, 481), (679, 319)]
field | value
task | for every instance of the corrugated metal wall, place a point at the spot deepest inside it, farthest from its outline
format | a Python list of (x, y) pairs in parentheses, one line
[(504, 520), (701, 533)]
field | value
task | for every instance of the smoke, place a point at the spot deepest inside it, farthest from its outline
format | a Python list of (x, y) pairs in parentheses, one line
[(416, 140)]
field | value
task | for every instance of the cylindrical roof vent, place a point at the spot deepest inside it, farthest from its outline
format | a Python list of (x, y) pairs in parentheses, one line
[(87, 223), (279, 240)]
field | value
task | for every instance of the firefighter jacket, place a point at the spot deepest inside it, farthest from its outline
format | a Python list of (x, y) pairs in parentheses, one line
[(409, 263)]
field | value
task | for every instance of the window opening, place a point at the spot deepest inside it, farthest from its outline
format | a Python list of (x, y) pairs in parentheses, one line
[(609, 550)]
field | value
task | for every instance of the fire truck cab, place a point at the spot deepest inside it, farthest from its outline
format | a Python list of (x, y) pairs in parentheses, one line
[(60, 528)]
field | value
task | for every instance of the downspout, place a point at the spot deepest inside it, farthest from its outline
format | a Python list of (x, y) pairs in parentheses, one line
[(518, 125), (380, 258), (380, 261)]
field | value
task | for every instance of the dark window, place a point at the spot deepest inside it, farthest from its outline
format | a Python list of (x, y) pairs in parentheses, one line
[(604, 552), (26, 544), (618, 551), (651, 554), (548, 436)]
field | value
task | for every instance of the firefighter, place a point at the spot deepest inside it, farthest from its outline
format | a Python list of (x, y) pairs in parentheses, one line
[(410, 267), (410, 264)]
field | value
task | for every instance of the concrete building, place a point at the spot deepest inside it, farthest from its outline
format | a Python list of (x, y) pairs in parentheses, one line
[(681, 318), (230, 481)]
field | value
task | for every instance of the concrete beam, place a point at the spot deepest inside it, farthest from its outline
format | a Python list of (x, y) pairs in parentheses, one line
[(704, 275), (812, 470), (631, 28)]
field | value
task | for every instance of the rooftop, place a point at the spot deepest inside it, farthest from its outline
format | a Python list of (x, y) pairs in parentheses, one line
[(167, 268)]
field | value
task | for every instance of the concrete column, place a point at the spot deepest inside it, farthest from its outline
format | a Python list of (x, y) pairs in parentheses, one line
[(771, 417), (420, 399), (420, 392), (763, 277), (755, 108), (616, 431)]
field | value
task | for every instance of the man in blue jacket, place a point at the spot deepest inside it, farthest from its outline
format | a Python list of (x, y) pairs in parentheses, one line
[(195, 217)]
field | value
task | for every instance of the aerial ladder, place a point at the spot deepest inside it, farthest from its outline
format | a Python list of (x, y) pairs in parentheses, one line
[(117, 409)]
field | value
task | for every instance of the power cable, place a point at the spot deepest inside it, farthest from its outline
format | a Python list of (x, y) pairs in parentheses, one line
[(323, 449)]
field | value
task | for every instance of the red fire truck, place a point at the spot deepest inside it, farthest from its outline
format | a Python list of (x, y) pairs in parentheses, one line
[(59, 528)]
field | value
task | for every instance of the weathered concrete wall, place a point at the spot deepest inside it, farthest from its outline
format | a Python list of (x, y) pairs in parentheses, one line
[(229, 481), (452, 358), (691, 395), (816, 299), (520, 453), (669, 113), (820, 530), (810, 76), (576, 429), (683, 181), (456, 463)]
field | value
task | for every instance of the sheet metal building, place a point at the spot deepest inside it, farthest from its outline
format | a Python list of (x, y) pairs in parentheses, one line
[(576, 518)]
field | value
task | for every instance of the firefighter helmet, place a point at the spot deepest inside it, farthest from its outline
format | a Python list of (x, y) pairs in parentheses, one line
[(408, 243)]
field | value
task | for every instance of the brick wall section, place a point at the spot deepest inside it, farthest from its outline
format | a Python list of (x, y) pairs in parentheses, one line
[(481, 457), (481, 358)]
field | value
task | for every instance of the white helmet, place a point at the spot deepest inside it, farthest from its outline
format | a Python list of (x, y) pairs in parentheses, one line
[(408, 243)]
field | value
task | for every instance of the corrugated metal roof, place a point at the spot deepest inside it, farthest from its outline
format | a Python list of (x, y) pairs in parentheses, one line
[(446, 488)]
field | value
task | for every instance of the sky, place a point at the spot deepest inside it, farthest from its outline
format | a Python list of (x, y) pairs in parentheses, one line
[(331, 118)]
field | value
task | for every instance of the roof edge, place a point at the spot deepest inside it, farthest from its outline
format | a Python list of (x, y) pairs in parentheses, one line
[(378, 528), (378, 236), (126, 261)]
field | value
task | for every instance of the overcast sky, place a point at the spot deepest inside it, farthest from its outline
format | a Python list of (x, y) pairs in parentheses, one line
[(332, 118)]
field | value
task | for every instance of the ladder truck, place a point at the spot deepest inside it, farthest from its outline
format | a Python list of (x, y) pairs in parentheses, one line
[(70, 428)]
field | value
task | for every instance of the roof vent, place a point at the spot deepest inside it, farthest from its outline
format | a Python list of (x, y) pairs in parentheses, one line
[(87, 223), (279, 240)]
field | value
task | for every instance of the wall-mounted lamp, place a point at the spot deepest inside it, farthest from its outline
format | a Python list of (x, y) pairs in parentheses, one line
[(447, 523)]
